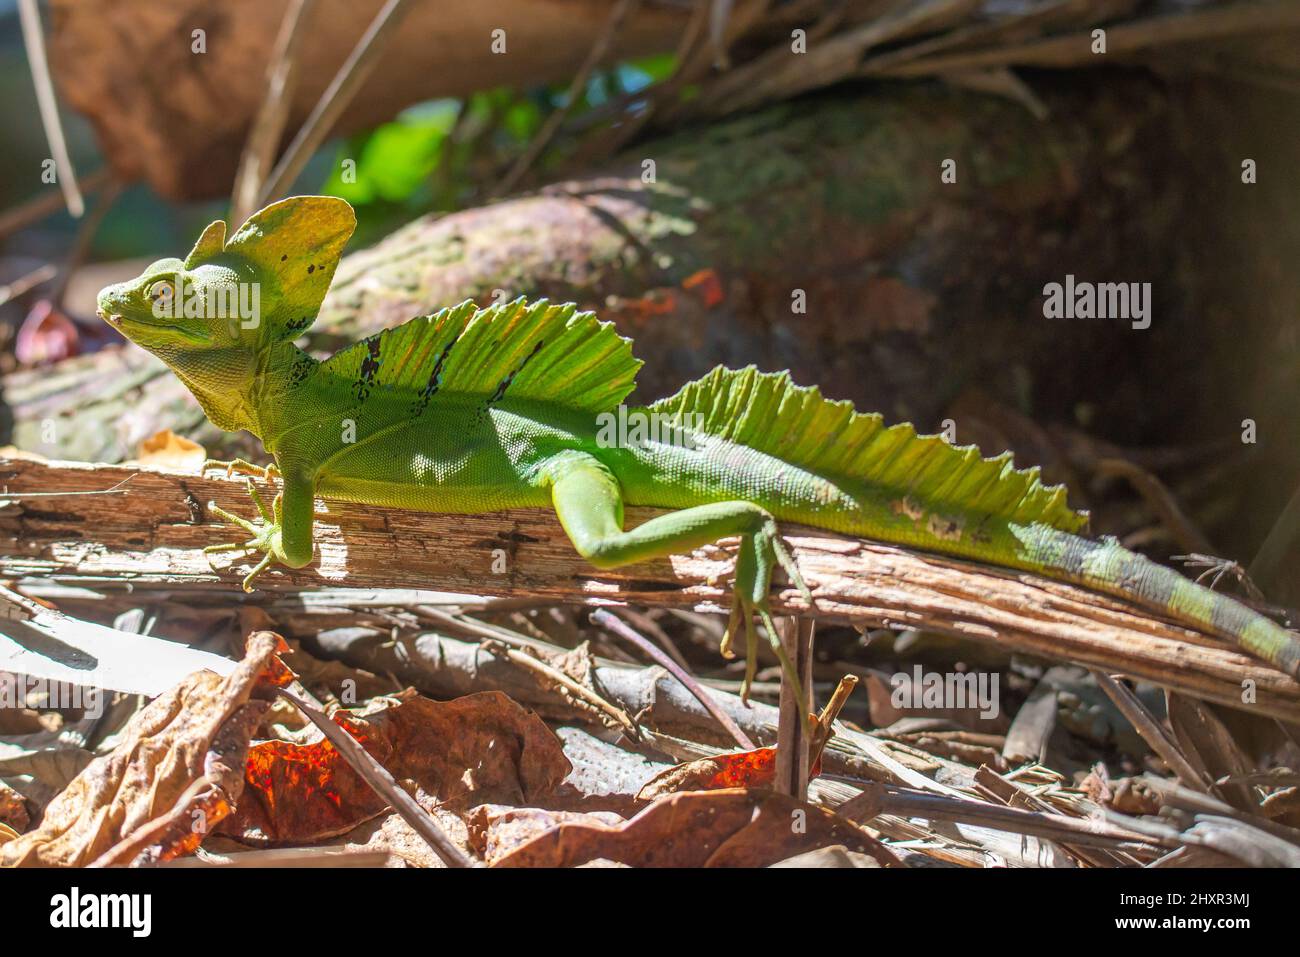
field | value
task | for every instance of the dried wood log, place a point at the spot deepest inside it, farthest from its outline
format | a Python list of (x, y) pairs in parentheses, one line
[(152, 529)]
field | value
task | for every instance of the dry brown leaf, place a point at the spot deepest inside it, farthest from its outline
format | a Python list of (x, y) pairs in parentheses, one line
[(740, 769), (482, 748), (1209, 745), (495, 831), (165, 449), (834, 856), (172, 768), (737, 827)]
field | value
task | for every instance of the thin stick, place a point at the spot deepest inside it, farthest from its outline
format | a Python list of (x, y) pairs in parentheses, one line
[(886, 799), (609, 622), (651, 627), (25, 283), (554, 676), (86, 231), (552, 124), (377, 776), (34, 40), (46, 204), (268, 127), (1279, 539), (792, 744), (1071, 49), (1162, 502), (824, 730), (25, 495), (351, 75), (1150, 731), (632, 125)]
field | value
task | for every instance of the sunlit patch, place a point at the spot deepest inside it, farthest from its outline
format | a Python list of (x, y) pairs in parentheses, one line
[(422, 466)]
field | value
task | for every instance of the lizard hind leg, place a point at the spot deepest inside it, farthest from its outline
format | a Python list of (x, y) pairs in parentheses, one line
[(589, 503)]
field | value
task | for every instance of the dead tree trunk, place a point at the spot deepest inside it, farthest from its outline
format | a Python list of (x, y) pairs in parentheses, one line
[(151, 529)]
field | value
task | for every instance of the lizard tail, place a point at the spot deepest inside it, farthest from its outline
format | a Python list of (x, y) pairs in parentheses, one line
[(946, 498), (1107, 566)]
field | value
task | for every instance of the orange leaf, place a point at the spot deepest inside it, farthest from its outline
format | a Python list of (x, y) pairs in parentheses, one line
[(166, 449), (482, 748)]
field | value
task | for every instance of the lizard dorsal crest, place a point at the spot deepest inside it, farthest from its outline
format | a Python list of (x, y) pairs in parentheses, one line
[(293, 246), (210, 244), (768, 412), (541, 351)]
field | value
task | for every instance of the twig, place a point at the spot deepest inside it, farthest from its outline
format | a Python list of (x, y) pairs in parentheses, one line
[(268, 125), (45, 204), (1280, 538), (1076, 48), (651, 627), (285, 857), (1162, 501), (86, 231), (792, 743), (351, 75), (887, 799), (718, 17), (6, 496), (685, 70), (377, 776), (27, 282), (552, 123), (554, 676), (1176, 796), (34, 39), (1149, 729), (824, 729), (609, 622)]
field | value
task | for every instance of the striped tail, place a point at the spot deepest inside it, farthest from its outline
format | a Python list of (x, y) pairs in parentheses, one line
[(945, 498), (1107, 566)]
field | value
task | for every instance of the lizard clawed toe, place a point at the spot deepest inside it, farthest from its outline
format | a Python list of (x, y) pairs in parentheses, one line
[(241, 467)]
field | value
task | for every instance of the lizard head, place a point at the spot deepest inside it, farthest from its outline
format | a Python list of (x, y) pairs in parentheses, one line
[(215, 315)]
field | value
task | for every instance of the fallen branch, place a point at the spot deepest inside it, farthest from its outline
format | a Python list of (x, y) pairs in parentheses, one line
[(153, 531)]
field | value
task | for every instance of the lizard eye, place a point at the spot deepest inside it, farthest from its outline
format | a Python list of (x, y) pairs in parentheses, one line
[(161, 290)]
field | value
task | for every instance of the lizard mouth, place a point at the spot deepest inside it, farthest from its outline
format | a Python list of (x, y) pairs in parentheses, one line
[(125, 325)]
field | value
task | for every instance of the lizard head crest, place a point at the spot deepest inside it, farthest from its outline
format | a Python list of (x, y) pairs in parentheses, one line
[(212, 314)]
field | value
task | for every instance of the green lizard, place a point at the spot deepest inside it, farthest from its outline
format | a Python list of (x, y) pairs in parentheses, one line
[(472, 410)]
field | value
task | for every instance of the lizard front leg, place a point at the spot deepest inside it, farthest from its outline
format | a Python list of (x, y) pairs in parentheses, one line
[(589, 503), (284, 534), (241, 467)]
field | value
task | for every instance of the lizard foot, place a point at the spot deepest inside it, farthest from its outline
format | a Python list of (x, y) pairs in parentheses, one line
[(1218, 568), (266, 535), (241, 467), (760, 552)]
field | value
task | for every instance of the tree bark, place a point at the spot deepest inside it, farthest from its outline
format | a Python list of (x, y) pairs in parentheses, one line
[(151, 529)]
